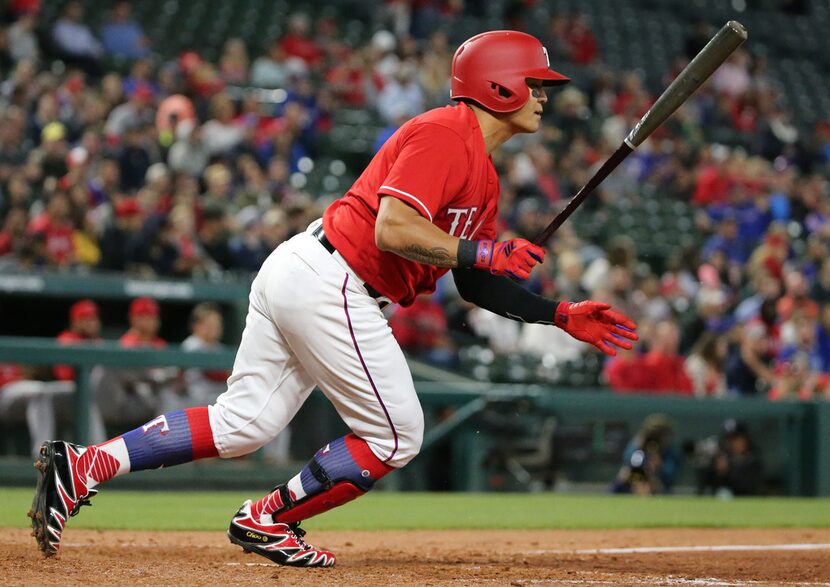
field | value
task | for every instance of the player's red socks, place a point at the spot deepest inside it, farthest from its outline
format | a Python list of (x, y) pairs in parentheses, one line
[(340, 472), (174, 438)]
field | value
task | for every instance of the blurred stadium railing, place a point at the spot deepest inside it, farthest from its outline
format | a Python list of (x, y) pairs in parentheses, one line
[(478, 433)]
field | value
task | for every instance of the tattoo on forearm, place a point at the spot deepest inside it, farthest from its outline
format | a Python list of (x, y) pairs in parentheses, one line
[(438, 256)]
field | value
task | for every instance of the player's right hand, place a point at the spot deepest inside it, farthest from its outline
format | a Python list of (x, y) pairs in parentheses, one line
[(597, 324), (514, 258)]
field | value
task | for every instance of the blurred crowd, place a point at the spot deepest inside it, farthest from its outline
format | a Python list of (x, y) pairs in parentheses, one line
[(123, 159)]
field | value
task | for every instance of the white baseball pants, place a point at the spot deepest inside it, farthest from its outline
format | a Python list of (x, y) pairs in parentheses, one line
[(311, 322)]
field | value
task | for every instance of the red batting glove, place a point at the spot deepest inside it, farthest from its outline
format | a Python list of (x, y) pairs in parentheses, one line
[(514, 258), (596, 323)]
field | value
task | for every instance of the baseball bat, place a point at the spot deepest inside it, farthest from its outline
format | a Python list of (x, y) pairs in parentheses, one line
[(693, 75)]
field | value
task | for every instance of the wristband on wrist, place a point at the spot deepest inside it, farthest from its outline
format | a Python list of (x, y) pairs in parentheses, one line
[(484, 254), (560, 315), (466, 254)]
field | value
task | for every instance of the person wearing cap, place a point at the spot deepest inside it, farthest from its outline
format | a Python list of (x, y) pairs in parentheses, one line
[(144, 315), (84, 326), (22, 390), (130, 394), (119, 234)]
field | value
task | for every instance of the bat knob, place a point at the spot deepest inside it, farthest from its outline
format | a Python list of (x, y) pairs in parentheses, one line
[(738, 28)]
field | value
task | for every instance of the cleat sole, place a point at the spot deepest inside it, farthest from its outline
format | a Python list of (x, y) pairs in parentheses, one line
[(45, 468)]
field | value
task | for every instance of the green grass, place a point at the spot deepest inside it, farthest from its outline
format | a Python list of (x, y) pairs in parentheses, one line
[(379, 511)]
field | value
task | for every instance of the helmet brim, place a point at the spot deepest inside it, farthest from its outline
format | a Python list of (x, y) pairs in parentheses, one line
[(549, 77)]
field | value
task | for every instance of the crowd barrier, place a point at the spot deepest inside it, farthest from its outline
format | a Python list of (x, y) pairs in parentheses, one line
[(467, 422)]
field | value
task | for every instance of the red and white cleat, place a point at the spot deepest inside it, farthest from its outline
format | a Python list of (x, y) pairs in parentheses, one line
[(278, 542), (60, 493)]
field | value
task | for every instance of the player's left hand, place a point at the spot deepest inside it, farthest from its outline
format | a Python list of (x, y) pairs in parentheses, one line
[(597, 324)]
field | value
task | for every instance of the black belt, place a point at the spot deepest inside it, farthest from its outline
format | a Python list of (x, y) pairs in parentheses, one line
[(324, 240)]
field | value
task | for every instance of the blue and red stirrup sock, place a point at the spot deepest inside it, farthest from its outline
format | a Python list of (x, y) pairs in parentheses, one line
[(171, 439)]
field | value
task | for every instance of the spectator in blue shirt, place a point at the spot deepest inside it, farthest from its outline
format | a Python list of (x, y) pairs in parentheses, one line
[(751, 215), (122, 36), (823, 338), (726, 241), (73, 40)]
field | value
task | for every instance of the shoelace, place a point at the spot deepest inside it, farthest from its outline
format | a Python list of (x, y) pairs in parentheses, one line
[(298, 535), (83, 501)]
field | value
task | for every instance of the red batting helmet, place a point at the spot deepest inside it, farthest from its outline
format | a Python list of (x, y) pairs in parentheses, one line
[(492, 68)]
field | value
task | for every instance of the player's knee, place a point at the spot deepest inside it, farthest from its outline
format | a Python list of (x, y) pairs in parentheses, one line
[(410, 436), (232, 440)]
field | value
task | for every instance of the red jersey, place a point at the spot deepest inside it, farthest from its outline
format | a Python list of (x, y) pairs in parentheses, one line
[(67, 372), (420, 327), (131, 340), (60, 244), (436, 163), (9, 373)]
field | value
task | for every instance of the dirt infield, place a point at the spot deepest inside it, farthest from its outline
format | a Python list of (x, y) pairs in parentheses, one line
[(556, 557)]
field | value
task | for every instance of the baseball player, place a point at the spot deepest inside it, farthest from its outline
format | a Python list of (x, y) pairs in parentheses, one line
[(426, 203)]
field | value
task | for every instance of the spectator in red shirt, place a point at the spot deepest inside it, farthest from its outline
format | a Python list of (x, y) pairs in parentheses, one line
[(660, 370), (55, 226), (298, 43), (583, 43), (129, 395), (354, 81), (663, 366), (624, 373), (9, 373), (421, 329), (145, 322), (84, 326), (713, 178), (18, 7)]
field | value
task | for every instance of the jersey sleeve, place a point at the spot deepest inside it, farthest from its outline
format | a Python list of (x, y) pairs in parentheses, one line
[(431, 168)]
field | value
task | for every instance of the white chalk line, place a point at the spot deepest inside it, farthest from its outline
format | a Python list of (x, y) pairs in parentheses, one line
[(631, 550), (655, 580), (661, 549)]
